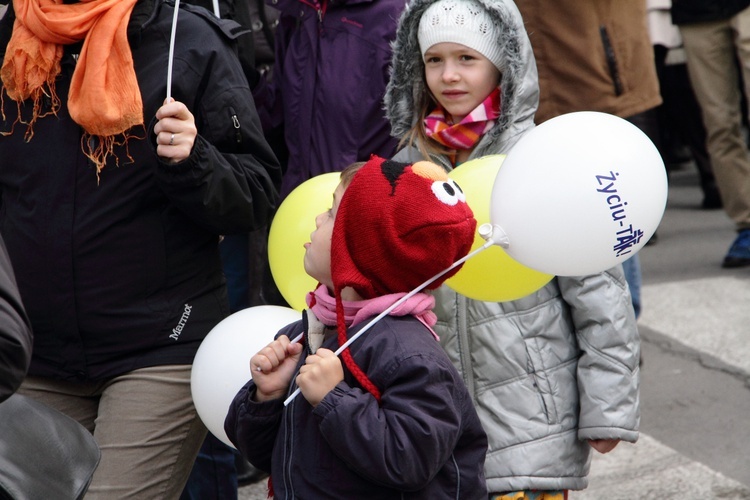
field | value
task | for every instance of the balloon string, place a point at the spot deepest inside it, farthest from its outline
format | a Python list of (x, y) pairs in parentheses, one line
[(400, 301), (171, 50)]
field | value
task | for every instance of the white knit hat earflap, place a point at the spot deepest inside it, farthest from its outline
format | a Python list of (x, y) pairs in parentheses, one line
[(460, 21)]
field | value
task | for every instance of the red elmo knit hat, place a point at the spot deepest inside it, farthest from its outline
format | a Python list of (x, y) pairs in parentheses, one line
[(397, 226)]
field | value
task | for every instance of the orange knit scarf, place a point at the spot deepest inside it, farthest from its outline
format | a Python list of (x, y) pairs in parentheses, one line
[(104, 97)]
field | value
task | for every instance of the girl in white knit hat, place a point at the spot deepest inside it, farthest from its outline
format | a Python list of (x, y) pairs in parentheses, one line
[(553, 374)]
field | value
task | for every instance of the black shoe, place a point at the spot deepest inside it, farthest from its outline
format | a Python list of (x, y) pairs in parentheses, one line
[(711, 199), (246, 473), (676, 155), (739, 252)]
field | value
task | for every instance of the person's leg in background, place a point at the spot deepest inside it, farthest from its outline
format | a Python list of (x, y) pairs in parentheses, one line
[(673, 148), (632, 269), (711, 63), (680, 118), (648, 123), (153, 407), (78, 400), (214, 473), (144, 422)]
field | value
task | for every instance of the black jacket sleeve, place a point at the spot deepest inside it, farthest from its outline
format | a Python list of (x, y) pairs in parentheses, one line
[(15, 330), (229, 184)]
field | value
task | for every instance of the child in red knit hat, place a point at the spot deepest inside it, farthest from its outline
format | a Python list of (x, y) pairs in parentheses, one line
[(394, 419)]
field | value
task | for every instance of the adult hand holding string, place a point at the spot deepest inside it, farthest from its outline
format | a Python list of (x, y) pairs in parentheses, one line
[(175, 131)]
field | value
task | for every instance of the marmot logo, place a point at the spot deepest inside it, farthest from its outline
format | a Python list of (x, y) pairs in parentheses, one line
[(176, 331)]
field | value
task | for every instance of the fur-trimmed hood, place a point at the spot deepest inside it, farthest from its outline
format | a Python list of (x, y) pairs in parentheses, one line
[(519, 85)]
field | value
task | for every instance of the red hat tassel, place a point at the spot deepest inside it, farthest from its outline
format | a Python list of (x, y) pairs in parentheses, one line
[(361, 376)]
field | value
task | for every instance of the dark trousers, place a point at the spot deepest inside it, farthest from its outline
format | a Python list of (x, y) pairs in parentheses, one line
[(679, 116)]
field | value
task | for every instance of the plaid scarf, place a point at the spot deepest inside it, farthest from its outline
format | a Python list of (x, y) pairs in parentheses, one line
[(104, 97), (466, 133)]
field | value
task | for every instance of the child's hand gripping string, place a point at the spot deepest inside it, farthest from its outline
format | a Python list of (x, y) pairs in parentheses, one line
[(273, 368), (319, 375)]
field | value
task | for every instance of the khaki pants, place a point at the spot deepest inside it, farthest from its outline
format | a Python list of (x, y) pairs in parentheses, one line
[(144, 422), (711, 49)]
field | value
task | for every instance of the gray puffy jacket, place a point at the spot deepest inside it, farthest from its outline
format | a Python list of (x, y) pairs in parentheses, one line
[(549, 371)]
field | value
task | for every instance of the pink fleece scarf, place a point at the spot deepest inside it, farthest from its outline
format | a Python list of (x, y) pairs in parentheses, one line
[(323, 305)]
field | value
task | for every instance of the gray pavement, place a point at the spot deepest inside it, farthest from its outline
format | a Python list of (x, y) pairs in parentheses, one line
[(695, 392)]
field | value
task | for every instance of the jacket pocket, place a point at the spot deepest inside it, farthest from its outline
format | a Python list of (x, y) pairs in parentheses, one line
[(553, 373), (237, 135), (540, 376)]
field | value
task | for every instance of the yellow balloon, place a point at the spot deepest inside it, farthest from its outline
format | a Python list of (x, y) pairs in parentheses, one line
[(491, 275), (290, 230)]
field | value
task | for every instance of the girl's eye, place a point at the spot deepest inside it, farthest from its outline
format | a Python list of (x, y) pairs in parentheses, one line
[(432, 60), (448, 192)]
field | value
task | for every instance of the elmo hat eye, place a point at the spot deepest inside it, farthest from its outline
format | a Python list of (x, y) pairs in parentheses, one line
[(448, 192)]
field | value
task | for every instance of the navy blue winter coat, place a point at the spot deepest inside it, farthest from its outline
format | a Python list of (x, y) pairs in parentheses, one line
[(423, 441)]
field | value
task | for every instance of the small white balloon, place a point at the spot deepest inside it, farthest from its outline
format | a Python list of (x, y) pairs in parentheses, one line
[(222, 364), (579, 194)]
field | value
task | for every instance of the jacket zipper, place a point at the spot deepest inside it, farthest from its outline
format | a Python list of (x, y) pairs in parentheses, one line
[(463, 343), (319, 7), (609, 53), (236, 125), (289, 450)]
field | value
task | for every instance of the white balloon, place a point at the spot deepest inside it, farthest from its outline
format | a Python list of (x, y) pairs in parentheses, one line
[(579, 194), (222, 364)]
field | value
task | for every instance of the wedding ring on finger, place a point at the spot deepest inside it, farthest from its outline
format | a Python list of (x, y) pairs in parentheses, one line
[(171, 140)]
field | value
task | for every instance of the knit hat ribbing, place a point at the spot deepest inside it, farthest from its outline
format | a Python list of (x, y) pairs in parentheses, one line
[(460, 21)]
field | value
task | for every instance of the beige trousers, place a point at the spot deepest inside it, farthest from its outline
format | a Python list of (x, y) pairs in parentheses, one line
[(711, 50), (144, 422)]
